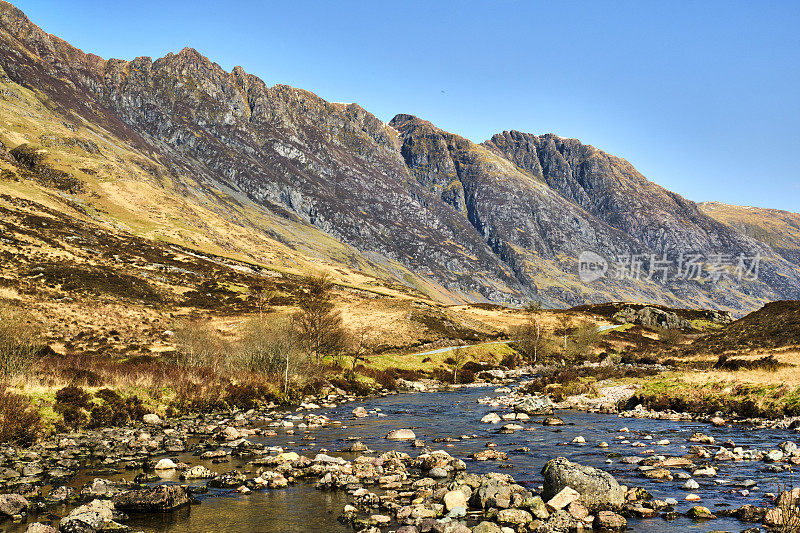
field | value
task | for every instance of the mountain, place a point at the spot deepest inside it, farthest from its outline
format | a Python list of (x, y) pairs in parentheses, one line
[(179, 149), (774, 227)]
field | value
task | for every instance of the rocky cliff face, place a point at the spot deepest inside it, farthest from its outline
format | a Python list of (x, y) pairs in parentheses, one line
[(502, 221)]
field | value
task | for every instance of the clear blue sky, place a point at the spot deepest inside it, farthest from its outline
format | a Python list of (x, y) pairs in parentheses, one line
[(702, 97)]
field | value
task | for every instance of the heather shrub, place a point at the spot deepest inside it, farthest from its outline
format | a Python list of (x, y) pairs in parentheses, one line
[(20, 422)]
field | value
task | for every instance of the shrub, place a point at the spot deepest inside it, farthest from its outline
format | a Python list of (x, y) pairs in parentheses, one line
[(670, 336), (385, 380), (30, 157), (265, 346), (352, 386), (248, 396), (72, 403), (768, 363), (73, 396), (581, 342), (199, 345), (466, 376), (115, 410), (20, 422), (19, 342), (511, 360)]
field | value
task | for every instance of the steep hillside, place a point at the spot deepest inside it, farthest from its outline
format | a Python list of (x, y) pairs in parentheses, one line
[(180, 150), (779, 229)]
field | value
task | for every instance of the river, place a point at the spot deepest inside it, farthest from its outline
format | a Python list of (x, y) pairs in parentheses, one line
[(302, 508)]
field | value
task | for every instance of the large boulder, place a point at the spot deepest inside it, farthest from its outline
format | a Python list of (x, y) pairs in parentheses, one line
[(160, 499), (494, 493), (12, 504), (104, 488), (535, 405), (598, 489), (197, 472), (453, 499), (514, 517), (487, 527)]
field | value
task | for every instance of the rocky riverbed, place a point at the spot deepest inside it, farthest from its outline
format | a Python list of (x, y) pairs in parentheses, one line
[(525, 469)]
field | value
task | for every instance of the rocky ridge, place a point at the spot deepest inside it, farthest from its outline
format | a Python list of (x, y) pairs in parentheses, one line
[(503, 221)]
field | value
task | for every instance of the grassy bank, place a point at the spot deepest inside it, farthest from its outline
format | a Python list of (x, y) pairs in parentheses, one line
[(723, 392)]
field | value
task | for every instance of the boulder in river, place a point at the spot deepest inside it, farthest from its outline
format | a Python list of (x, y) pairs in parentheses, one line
[(514, 517), (491, 418), (166, 464), (401, 434), (12, 504), (535, 405), (197, 472), (487, 527), (598, 489), (565, 496), (699, 512), (691, 485), (453, 499), (162, 498)]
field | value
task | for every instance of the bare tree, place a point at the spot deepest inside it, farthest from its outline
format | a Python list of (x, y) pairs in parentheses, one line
[(459, 358), (530, 336), (357, 349), (262, 297), (318, 324), (265, 344), (564, 322)]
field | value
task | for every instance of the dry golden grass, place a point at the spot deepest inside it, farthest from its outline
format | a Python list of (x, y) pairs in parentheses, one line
[(788, 375)]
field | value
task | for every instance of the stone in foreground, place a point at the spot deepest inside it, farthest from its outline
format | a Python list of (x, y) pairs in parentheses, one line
[(12, 504), (609, 520), (564, 497), (597, 489)]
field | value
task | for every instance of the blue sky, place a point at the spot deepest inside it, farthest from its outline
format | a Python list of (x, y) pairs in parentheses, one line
[(702, 97)]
